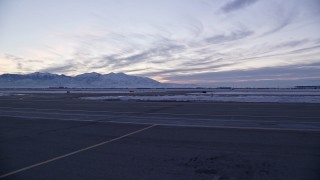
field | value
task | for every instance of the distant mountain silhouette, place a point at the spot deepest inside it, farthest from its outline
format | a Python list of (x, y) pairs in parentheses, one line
[(86, 80)]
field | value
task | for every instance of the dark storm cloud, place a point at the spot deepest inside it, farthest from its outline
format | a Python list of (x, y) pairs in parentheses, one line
[(236, 5), (226, 38)]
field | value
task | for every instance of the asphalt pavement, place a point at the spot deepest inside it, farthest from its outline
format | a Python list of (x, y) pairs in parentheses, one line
[(56, 137)]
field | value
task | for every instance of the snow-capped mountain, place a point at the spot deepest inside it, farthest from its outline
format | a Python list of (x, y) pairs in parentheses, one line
[(114, 80), (87, 80)]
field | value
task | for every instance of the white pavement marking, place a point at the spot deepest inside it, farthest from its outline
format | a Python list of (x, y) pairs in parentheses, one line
[(210, 115), (82, 120), (75, 152)]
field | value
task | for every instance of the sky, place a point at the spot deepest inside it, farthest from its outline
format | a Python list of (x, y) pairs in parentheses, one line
[(209, 42)]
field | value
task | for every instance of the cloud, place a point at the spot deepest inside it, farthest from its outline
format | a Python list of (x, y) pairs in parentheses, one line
[(283, 20), (276, 49), (60, 69), (227, 38), (293, 74), (294, 43), (22, 64), (162, 49), (272, 53), (189, 39), (237, 4), (21, 60), (306, 49), (195, 69)]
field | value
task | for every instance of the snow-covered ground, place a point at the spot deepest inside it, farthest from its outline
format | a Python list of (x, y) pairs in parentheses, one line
[(8, 94), (214, 98), (61, 91), (203, 95), (80, 91), (280, 93)]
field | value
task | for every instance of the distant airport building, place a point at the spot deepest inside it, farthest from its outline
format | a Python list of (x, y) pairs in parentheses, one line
[(58, 87), (224, 88)]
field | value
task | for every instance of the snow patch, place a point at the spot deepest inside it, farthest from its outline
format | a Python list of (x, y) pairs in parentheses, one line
[(278, 93), (215, 98), (4, 94)]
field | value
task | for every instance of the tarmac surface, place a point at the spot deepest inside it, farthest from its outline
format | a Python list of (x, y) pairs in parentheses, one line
[(63, 137)]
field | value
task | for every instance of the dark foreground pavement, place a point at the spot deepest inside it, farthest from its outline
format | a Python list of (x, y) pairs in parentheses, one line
[(160, 152), (40, 148)]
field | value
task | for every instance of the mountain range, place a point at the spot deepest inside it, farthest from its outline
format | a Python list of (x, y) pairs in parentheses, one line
[(86, 80)]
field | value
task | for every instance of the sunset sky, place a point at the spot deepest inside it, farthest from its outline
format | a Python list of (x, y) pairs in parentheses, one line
[(251, 42)]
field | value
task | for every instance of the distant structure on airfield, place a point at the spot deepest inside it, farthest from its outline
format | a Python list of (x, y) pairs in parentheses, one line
[(307, 87)]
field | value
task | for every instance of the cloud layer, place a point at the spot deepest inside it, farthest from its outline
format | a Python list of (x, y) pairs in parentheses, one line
[(204, 42)]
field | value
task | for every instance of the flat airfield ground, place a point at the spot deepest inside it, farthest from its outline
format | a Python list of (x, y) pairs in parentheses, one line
[(58, 136)]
